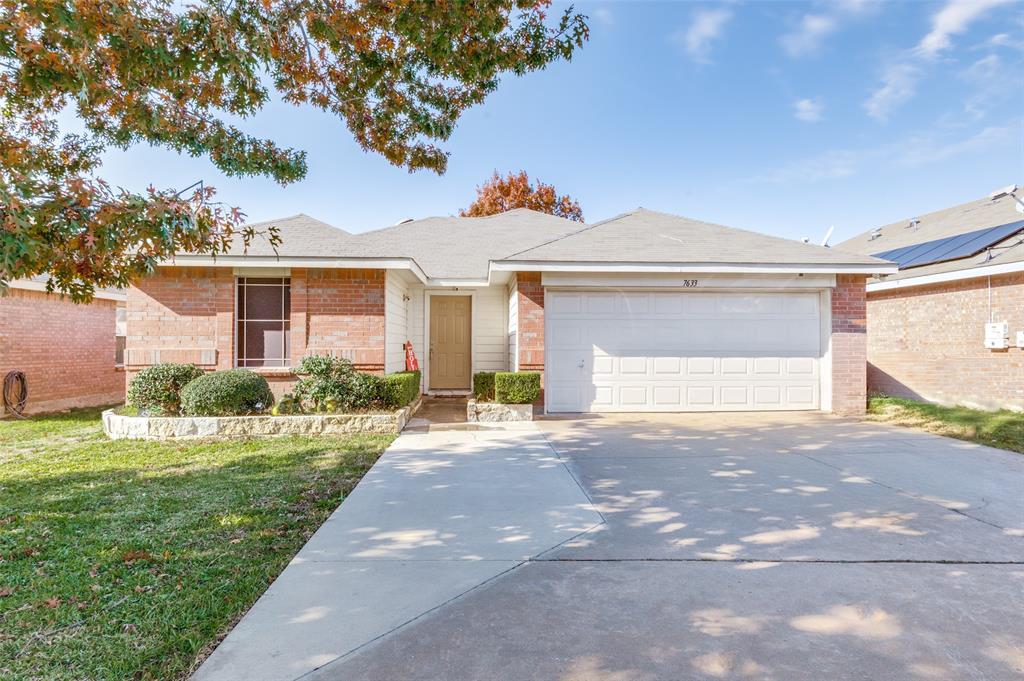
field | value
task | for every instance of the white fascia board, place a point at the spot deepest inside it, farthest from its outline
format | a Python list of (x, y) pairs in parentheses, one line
[(30, 285), (679, 268), (258, 261), (956, 275)]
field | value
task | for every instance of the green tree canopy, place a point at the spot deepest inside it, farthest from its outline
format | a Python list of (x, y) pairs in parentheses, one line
[(398, 73)]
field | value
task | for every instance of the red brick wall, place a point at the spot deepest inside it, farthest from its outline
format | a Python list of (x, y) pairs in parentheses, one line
[(849, 345), (65, 350), (186, 314), (181, 315), (927, 342), (530, 337), (344, 315)]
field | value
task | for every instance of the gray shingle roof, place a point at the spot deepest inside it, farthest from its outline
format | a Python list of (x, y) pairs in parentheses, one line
[(463, 248), (300, 235), (966, 217), (645, 236)]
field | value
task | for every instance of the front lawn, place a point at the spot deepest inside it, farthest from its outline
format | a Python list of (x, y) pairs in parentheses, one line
[(1002, 429), (127, 560)]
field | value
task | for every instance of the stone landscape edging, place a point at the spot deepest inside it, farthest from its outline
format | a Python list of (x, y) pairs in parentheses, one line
[(123, 427), (491, 412)]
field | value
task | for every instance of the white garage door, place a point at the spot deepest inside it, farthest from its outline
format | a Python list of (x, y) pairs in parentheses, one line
[(682, 351)]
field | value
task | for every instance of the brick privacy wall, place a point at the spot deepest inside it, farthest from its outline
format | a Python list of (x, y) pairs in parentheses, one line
[(186, 314), (849, 345), (66, 350), (928, 343), (530, 337)]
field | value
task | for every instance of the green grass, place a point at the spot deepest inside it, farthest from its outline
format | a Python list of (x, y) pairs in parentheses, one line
[(128, 560), (1002, 429)]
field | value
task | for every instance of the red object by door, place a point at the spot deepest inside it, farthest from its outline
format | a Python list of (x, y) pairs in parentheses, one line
[(411, 363)]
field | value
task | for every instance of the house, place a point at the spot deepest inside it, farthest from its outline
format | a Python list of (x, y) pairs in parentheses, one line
[(70, 354), (643, 312), (945, 327)]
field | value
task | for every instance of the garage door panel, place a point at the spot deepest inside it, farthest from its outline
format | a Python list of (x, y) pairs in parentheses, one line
[(683, 350)]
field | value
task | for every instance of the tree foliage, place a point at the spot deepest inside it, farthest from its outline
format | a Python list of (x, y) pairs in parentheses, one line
[(515, 190), (181, 75)]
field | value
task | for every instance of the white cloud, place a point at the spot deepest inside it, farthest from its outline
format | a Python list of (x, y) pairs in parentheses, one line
[(808, 37), (954, 18), (913, 152), (899, 77), (899, 84), (808, 110), (707, 26), (604, 15), (810, 34)]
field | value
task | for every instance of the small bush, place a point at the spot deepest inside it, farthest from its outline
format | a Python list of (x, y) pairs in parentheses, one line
[(286, 405), (401, 388), (158, 388), (235, 392), (516, 387), (333, 384), (483, 386)]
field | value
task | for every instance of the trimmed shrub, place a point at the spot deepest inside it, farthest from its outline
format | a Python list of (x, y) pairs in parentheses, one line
[(516, 387), (333, 384), (235, 392), (483, 386), (157, 389), (401, 388)]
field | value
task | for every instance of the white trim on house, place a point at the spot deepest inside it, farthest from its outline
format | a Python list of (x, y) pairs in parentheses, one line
[(686, 280), (682, 268), (263, 261), (956, 275), (32, 285), (507, 266)]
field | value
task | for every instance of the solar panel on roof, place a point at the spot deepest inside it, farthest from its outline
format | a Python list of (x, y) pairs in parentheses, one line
[(951, 247)]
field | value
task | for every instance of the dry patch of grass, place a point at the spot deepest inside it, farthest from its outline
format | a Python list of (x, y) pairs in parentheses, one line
[(128, 560), (1002, 429)]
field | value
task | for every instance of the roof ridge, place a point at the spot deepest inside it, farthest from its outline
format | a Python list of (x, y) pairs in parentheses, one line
[(550, 241)]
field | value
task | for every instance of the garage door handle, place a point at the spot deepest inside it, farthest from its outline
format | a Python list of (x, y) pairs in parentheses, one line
[(581, 364)]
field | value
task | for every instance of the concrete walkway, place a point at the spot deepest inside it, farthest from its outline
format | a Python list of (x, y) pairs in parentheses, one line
[(440, 514)]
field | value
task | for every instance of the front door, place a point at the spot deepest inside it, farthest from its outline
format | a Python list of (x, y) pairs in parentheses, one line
[(450, 348)]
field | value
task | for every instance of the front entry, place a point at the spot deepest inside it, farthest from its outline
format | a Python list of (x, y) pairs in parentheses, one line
[(450, 345)]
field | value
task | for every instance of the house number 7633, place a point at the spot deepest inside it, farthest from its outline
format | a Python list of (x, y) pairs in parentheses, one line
[(689, 283)]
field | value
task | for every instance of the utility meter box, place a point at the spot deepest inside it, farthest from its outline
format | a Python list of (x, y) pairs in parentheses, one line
[(997, 335)]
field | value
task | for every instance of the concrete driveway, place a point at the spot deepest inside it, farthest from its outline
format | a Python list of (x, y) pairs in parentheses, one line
[(743, 546)]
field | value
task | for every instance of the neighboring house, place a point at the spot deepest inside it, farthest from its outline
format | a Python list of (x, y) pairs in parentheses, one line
[(961, 269), (642, 312), (70, 354)]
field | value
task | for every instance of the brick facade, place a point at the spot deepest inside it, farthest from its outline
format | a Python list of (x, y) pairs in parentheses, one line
[(186, 314), (530, 337), (849, 345), (65, 350), (927, 342)]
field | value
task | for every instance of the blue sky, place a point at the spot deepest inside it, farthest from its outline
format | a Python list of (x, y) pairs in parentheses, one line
[(782, 117)]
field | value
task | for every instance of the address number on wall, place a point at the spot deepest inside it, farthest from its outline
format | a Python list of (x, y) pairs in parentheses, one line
[(690, 283)]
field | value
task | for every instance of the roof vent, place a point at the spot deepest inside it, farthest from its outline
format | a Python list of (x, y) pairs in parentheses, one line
[(875, 233), (912, 223), (404, 221), (1005, 191)]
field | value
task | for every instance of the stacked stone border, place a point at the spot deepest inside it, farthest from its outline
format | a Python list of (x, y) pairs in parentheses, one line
[(491, 412), (122, 427)]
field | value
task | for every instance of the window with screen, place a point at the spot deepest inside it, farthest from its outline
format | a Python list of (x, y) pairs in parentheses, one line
[(120, 334), (263, 325)]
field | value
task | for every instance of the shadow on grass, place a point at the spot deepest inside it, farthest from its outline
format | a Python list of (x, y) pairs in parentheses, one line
[(129, 559)]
